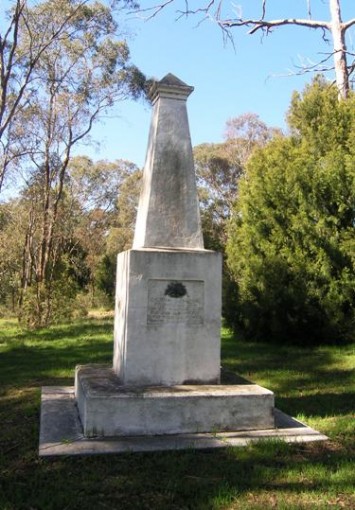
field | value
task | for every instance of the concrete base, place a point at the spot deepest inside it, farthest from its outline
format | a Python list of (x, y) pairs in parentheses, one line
[(107, 408), (61, 432), (167, 317)]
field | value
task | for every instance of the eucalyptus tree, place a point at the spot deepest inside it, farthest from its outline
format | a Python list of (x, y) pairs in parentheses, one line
[(107, 194), (27, 32), (79, 76), (95, 220), (121, 231), (219, 167), (12, 217)]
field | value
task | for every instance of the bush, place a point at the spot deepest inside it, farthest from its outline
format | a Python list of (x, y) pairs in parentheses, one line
[(291, 245), (43, 306)]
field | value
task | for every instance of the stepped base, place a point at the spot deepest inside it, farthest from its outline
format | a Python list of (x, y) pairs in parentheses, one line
[(108, 409)]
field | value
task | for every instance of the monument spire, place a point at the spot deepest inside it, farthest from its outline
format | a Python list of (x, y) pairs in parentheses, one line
[(168, 212)]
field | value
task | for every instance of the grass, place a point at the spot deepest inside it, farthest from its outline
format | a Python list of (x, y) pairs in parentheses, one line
[(315, 385)]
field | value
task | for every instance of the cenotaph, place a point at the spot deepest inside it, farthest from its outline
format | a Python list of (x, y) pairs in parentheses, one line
[(165, 377)]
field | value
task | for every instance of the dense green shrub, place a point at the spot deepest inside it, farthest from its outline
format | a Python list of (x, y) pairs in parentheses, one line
[(291, 245), (42, 306)]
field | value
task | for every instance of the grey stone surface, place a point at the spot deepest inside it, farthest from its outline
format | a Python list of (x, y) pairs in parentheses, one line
[(109, 409), (168, 212), (167, 317), (61, 432)]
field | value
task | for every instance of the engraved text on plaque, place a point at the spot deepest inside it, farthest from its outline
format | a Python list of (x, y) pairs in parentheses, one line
[(175, 302)]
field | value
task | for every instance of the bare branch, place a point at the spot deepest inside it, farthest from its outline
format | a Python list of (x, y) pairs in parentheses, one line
[(205, 9), (155, 9), (213, 10), (349, 24), (318, 67), (263, 24), (34, 58), (263, 9)]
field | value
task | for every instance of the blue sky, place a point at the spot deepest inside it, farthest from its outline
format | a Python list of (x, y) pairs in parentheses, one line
[(253, 77)]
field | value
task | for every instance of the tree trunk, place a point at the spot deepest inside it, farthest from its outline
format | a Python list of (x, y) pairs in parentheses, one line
[(340, 61)]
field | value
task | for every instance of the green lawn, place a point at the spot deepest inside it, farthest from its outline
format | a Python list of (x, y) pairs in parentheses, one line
[(315, 385)]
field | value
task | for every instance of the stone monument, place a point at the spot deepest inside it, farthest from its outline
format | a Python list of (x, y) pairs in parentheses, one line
[(166, 364)]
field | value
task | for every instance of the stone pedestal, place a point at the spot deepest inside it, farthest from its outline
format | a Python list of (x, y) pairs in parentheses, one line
[(109, 409), (167, 317)]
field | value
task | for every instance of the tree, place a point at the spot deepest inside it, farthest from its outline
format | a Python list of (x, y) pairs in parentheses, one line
[(108, 197), (120, 235), (27, 33), (96, 184), (219, 166), (291, 240), (79, 76), (335, 27), (98, 199), (44, 299), (11, 246)]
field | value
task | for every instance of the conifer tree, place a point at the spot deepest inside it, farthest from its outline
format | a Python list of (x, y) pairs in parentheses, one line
[(292, 246)]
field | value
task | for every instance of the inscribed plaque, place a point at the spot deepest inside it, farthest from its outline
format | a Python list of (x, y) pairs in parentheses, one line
[(175, 302)]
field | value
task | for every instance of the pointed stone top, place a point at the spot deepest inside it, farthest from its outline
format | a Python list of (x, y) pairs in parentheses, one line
[(170, 86), (172, 80)]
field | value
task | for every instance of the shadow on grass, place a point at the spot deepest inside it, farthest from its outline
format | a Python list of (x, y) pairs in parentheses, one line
[(253, 357), (320, 405), (176, 480), (313, 381), (66, 331)]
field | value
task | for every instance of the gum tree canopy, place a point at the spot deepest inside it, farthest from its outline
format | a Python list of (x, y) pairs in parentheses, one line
[(228, 15), (30, 31), (62, 65)]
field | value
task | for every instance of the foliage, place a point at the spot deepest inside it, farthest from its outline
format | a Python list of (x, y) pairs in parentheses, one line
[(218, 170), (32, 34), (105, 277), (95, 184), (120, 235), (291, 246), (42, 306), (108, 195), (80, 248), (315, 385), (219, 167), (80, 69), (10, 255)]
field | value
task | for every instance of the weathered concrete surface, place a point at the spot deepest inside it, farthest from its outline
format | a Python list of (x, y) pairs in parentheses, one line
[(61, 432), (107, 408), (167, 317), (168, 212)]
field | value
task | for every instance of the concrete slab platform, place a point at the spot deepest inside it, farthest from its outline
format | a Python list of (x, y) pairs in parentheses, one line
[(61, 432)]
